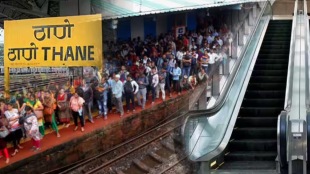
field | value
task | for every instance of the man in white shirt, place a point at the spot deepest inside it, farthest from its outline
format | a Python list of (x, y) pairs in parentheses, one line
[(199, 40), (179, 56), (219, 41), (213, 57), (154, 83), (210, 38), (117, 92)]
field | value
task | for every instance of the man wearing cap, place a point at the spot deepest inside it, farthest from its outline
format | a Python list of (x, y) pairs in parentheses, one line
[(117, 91)]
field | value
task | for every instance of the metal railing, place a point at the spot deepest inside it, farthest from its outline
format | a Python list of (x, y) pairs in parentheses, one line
[(289, 82)]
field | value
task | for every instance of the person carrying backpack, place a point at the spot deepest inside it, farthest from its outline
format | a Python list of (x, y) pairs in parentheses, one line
[(130, 89)]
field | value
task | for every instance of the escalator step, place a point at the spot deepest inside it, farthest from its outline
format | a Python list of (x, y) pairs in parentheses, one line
[(264, 94), (271, 67), (268, 79), (251, 156), (253, 145), (271, 61), (256, 121), (275, 39), (266, 86), (274, 51), (273, 56), (255, 133), (284, 46), (260, 111), (249, 165), (263, 102), (270, 73), (276, 42)]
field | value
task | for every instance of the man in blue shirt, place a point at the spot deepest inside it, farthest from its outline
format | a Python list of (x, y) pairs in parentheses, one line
[(102, 100), (176, 73)]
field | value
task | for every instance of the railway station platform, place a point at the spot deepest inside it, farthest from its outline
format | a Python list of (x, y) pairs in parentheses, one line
[(73, 146)]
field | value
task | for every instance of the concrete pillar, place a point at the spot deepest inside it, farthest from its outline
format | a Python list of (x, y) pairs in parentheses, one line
[(234, 48), (255, 11), (235, 20), (246, 26), (240, 38), (215, 80), (137, 27), (74, 7), (161, 24), (226, 66), (204, 168), (202, 101), (251, 18), (109, 34)]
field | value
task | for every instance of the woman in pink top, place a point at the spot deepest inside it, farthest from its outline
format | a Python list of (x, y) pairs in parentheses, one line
[(76, 105)]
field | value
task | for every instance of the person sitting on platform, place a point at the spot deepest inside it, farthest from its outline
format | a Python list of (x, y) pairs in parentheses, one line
[(184, 83), (192, 81), (202, 76)]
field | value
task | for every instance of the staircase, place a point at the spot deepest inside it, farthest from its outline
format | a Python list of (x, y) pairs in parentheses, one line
[(253, 144)]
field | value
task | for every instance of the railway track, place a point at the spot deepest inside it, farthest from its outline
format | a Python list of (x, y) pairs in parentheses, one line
[(17, 86), (158, 150)]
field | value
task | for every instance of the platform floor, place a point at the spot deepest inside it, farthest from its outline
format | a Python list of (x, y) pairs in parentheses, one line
[(67, 134)]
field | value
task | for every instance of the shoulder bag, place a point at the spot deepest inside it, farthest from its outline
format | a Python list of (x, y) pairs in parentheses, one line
[(4, 132)]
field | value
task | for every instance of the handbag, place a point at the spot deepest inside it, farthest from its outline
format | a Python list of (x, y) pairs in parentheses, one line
[(48, 112), (39, 114), (63, 106), (4, 133)]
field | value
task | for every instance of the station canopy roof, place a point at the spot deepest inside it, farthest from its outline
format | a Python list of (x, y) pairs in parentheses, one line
[(112, 9)]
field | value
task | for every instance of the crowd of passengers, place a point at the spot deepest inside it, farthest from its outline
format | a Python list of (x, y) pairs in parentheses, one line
[(149, 70)]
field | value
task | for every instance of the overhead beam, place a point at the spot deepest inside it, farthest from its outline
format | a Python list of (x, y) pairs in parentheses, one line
[(39, 14), (6, 13)]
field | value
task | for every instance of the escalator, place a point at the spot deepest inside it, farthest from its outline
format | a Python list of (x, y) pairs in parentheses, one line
[(253, 143)]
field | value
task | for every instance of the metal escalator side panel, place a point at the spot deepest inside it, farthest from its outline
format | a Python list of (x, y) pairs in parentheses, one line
[(282, 139), (308, 138)]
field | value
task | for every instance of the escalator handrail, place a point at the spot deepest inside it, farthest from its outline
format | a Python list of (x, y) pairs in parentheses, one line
[(289, 80), (282, 139), (308, 135), (307, 55)]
